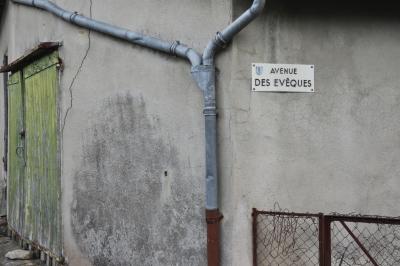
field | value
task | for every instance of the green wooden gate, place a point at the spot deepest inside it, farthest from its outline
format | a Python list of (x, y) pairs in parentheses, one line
[(16, 154), (34, 186)]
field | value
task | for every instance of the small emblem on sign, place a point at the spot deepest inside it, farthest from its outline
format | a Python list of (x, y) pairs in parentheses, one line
[(259, 70)]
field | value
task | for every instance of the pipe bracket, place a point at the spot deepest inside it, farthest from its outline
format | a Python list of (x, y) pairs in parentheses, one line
[(213, 216), (220, 41), (173, 47), (210, 111), (73, 16)]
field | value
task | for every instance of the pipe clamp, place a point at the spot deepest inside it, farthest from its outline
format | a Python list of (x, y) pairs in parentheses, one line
[(73, 16), (173, 47), (213, 216), (210, 111), (220, 41)]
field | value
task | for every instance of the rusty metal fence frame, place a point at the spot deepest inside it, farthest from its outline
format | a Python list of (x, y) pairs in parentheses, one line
[(326, 225)]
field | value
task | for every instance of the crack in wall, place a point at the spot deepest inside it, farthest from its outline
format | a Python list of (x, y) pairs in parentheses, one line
[(77, 72)]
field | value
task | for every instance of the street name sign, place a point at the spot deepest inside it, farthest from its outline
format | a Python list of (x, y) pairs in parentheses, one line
[(282, 77)]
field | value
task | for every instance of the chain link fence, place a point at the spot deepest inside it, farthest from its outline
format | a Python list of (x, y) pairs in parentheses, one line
[(359, 243), (286, 239), (294, 239)]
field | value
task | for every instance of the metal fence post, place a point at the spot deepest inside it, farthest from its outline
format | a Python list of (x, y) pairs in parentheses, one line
[(254, 215), (321, 237), (327, 241)]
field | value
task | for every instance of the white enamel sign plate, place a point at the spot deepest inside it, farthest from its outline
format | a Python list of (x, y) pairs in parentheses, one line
[(282, 77)]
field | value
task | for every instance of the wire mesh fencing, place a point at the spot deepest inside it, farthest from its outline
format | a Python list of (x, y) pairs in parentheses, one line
[(375, 241), (286, 239), (283, 239)]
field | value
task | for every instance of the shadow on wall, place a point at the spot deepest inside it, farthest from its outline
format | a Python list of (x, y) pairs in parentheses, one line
[(133, 205), (383, 9)]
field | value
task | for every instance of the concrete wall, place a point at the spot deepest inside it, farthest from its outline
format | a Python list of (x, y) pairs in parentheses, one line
[(336, 150), (133, 148)]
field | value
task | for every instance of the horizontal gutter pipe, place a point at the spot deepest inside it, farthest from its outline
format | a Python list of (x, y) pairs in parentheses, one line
[(172, 48)]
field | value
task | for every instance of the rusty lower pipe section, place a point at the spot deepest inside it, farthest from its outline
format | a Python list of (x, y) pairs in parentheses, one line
[(213, 218)]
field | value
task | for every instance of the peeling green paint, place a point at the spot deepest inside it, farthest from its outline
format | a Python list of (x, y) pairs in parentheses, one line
[(37, 188), (15, 194)]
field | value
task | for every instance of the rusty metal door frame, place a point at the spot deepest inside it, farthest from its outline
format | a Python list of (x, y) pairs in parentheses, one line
[(5, 95)]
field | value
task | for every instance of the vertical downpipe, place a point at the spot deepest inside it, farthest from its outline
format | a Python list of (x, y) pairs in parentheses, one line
[(213, 216), (204, 75), (206, 82), (5, 95), (5, 143)]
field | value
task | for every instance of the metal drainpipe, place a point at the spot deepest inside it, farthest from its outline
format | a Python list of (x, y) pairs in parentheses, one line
[(172, 48), (204, 75), (203, 72), (5, 80)]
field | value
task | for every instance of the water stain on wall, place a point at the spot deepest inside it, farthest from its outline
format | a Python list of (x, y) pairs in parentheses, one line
[(133, 204)]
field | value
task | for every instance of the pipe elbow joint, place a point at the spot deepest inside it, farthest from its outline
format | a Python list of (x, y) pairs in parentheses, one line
[(257, 7), (194, 57), (183, 51)]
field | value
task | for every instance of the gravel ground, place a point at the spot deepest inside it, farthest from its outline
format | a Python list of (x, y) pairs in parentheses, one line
[(6, 245)]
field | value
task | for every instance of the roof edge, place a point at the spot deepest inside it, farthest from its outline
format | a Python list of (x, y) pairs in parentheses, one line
[(40, 50)]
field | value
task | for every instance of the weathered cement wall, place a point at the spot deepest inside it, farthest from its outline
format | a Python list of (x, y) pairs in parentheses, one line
[(133, 149), (336, 150)]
